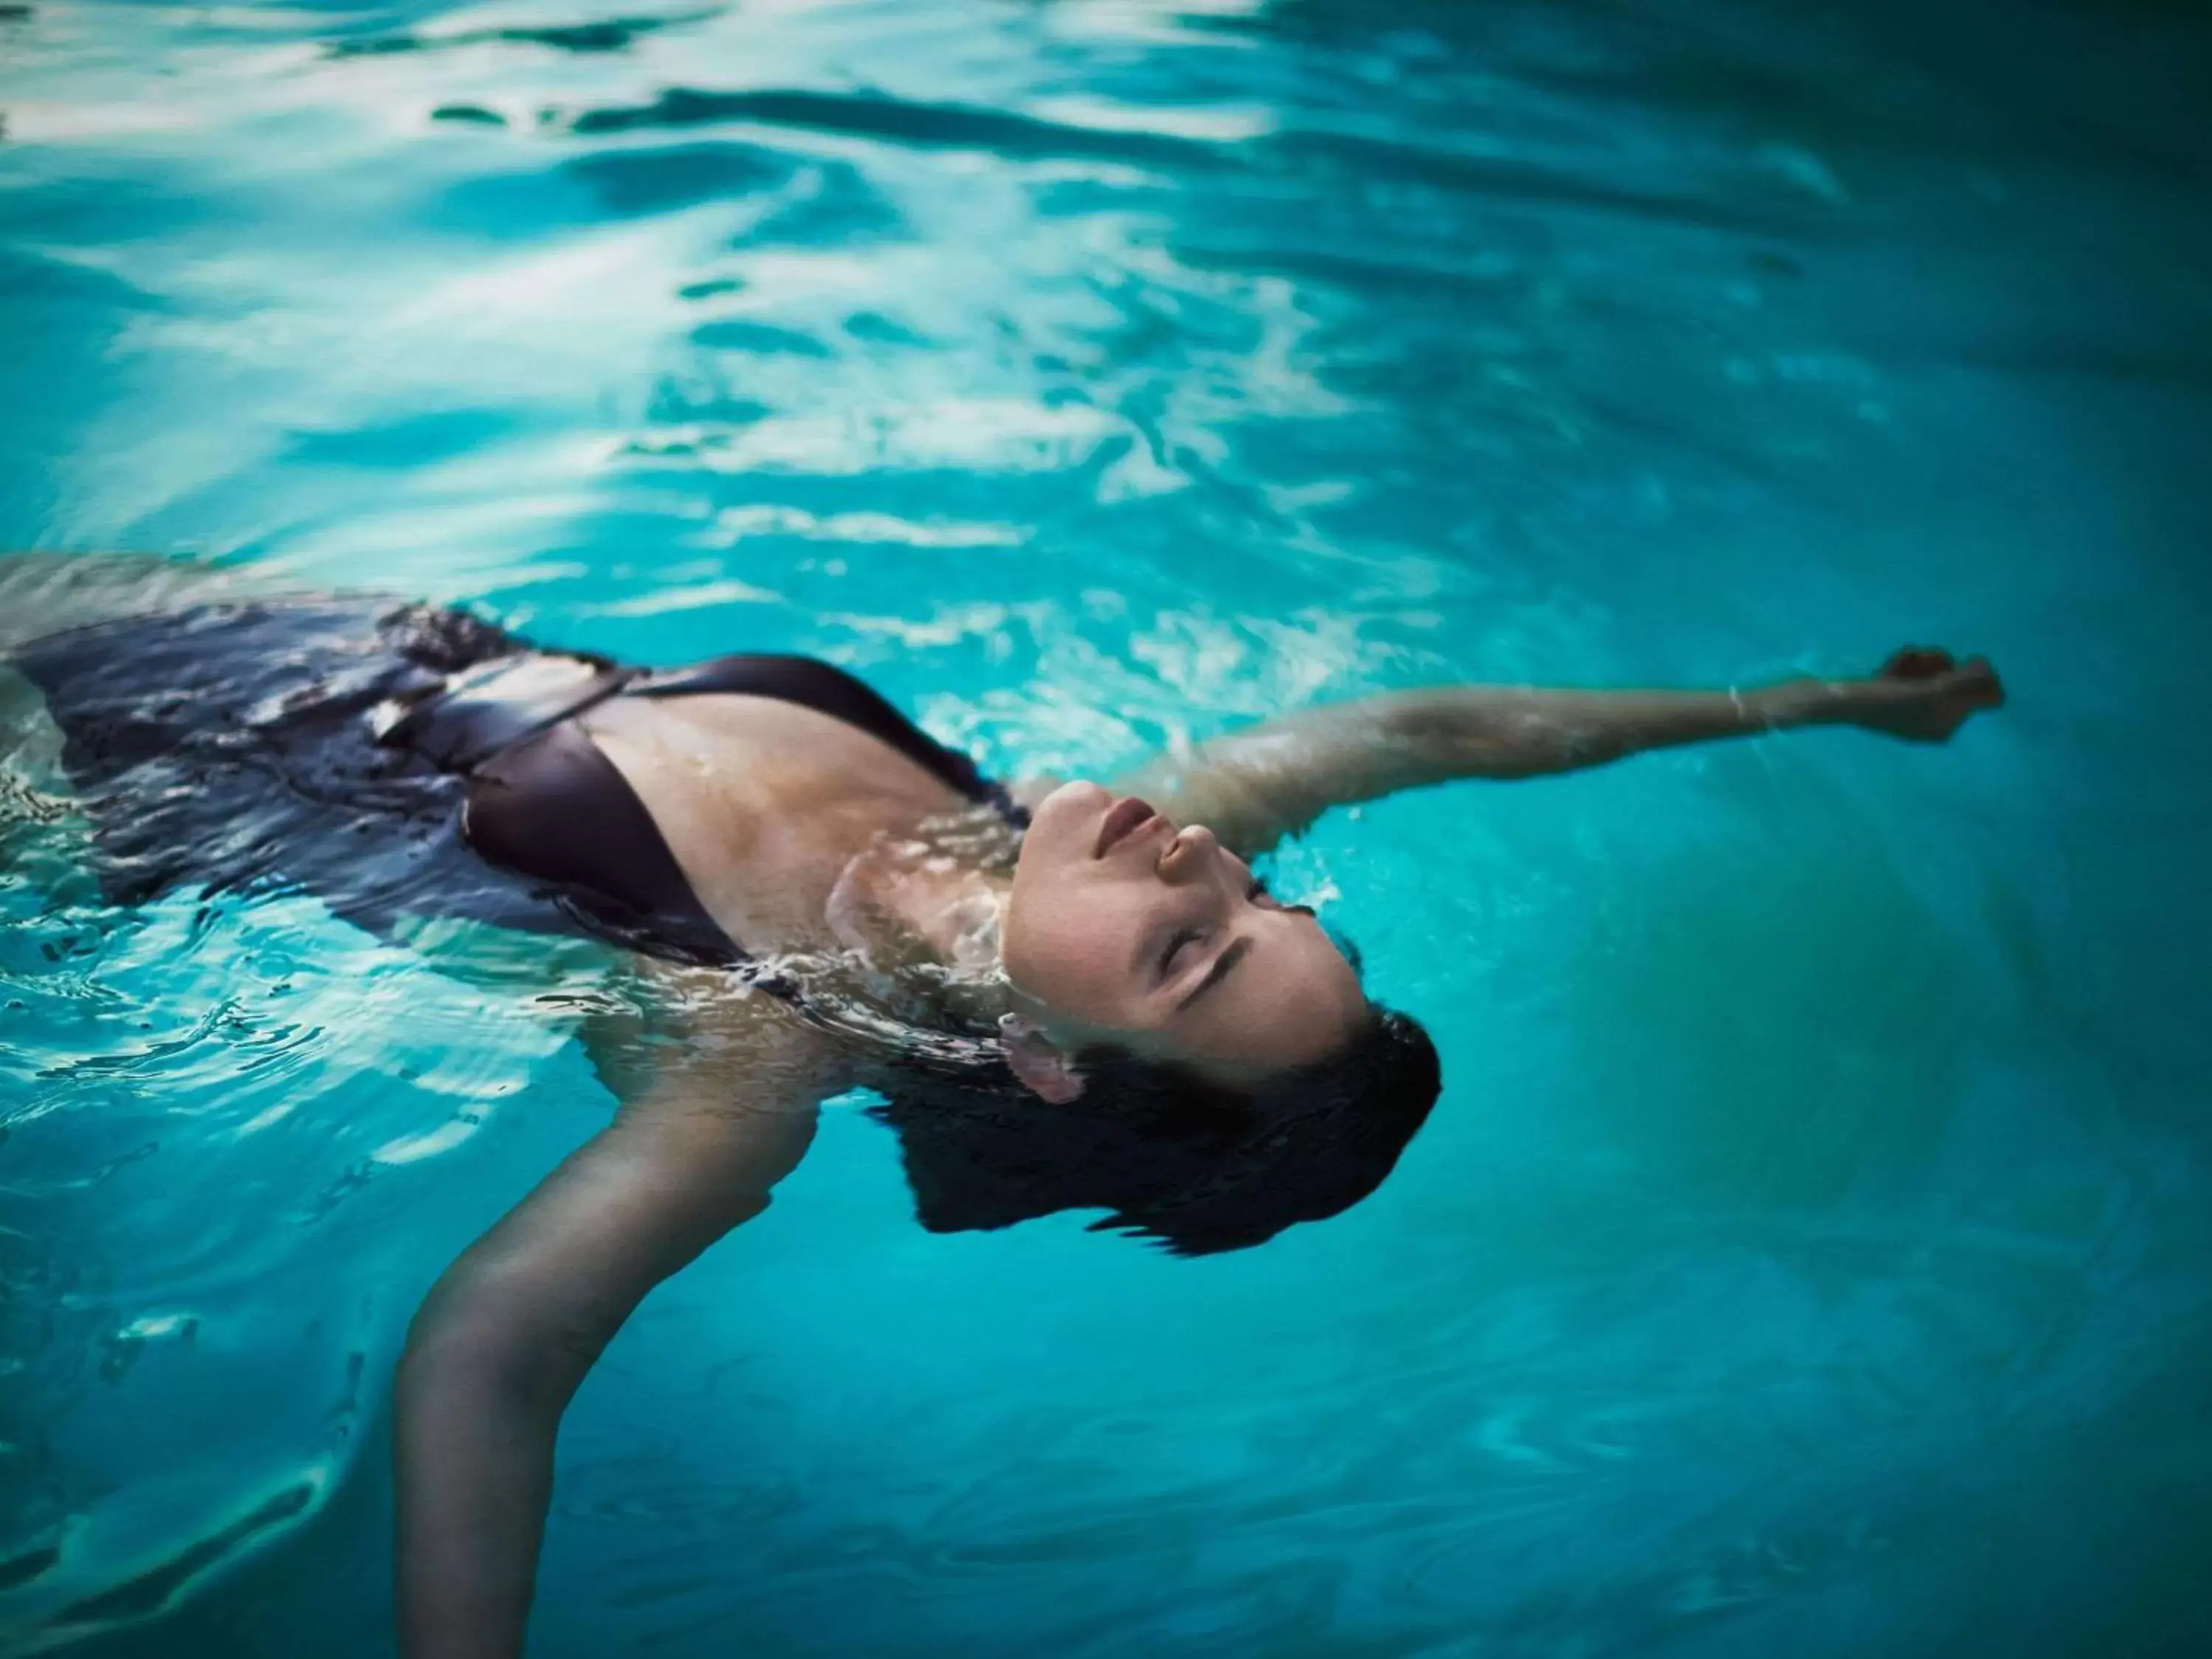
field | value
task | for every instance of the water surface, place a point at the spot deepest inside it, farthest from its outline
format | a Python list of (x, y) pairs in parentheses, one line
[(1810, 1252)]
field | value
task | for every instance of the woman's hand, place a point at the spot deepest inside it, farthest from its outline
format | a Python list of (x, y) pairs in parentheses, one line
[(1923, 694)]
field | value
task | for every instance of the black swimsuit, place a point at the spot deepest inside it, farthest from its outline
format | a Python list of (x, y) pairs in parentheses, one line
[(400, 761)]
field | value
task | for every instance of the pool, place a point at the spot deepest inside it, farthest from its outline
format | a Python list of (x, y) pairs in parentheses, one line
[(1812, 1252)]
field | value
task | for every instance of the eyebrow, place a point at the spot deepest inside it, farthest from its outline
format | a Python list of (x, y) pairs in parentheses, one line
[(1216, 973)]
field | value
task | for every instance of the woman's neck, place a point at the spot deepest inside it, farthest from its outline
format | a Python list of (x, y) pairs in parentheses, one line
[(916, 921)]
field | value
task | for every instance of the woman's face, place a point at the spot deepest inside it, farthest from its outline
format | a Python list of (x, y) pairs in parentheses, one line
[(1123, 927)]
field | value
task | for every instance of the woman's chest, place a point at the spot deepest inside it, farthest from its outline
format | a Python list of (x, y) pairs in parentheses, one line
[(764, 803)]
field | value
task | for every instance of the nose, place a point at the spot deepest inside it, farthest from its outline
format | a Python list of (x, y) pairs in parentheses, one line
[(1189, 849)]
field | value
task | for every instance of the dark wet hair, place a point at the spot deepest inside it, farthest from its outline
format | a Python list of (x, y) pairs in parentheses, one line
[(1172, 1157)]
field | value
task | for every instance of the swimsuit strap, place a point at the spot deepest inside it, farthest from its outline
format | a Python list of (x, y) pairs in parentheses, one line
[(485, 710)]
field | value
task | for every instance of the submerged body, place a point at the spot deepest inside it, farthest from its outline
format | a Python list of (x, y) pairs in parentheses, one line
[(1061, 935)]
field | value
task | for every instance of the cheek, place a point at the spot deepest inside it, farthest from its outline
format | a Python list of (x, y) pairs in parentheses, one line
[(1066, 948)]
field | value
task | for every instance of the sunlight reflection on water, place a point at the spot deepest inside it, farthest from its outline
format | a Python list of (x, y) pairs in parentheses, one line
[(1809, 1253)]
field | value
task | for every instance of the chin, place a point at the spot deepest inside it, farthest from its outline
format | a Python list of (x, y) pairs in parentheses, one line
[(1062, 827), (1062, 818), (1076, 794)]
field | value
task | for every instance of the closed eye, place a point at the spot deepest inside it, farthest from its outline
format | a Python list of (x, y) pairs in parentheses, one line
[(1184, 936)]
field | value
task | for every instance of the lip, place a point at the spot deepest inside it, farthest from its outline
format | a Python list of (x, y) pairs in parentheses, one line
[(1123, 819)]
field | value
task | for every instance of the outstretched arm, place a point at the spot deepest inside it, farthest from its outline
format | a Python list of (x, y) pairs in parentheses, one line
[(503, 1340), (1257, 786)]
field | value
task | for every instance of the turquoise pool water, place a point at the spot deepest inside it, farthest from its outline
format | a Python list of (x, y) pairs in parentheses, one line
[(1812, 1253)]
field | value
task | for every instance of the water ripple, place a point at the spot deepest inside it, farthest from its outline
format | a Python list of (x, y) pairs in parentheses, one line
[(855, 115), (609, 34), (1811, 1247)]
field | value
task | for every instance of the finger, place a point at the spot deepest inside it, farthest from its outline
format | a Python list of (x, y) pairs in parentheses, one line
[(1918, 662), (1980, 680)]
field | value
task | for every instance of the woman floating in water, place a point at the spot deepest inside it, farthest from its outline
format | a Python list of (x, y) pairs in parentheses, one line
[(1068, 995)]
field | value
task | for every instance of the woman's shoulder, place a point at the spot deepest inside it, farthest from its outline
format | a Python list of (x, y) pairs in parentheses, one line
[(660, 1028)]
